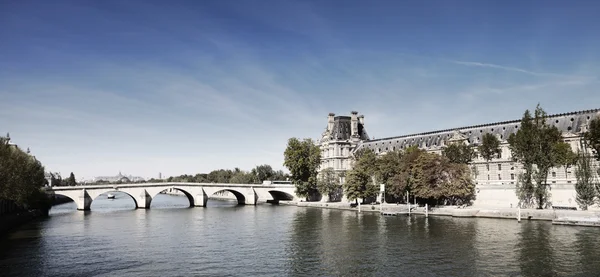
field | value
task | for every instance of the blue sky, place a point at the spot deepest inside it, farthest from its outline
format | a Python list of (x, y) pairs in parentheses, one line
[(97, 87)]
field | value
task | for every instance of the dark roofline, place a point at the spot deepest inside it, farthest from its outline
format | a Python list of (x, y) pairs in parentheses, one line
[(482, 125), (342, 117)]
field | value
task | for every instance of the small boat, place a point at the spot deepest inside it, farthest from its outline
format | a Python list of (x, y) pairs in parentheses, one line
[(110, 196)]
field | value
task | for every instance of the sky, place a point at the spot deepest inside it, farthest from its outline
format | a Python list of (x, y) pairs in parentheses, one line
[(186, 87)]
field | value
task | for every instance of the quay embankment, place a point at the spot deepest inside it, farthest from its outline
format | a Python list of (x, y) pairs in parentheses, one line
[(559, 217), (9, 222), (15, 217)]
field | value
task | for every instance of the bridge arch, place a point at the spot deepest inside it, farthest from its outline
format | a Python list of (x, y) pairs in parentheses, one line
[(185, 192), (135, 202), (279, 195), (241, 199), (54, 194)]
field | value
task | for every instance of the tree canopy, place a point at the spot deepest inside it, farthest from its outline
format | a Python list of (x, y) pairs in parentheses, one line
[(21, 177), (489, 147), (303, 159), (328, 182), (361, 181), (587, 184), (428, 177), (592, 137), (459, 153), (536, 146)]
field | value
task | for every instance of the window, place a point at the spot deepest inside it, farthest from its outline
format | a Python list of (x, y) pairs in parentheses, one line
[(553, 174), (499, 177), (487, 166), (499, 167), (500, 155), (512, 176), (488, 176), (554, 182)]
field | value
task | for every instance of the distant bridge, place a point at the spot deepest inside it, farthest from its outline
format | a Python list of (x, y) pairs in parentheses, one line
[(197, 193)]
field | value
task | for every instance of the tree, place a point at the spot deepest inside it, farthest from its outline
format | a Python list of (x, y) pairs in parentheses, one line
[(520, 146), (279, 175), (263, 172), (361, 180), (71, 180), (459, 153), (586, 185), (402, 182), (21, 177), (242, 177), (303, 159), (592, 137), (565, 156), (328, 182), (535, 146), (458, 187), (489, 147), (436, 179)]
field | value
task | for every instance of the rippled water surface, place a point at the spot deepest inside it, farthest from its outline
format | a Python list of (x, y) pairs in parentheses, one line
[(224, 239)]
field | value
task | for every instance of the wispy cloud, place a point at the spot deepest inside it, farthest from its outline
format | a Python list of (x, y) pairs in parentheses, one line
[(515, 69)]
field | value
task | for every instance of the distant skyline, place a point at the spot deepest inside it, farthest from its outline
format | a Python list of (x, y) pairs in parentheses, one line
[(186, 87)]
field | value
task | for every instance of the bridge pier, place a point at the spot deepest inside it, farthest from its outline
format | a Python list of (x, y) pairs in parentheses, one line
[(200, 198), (251, 197), (84, 201), (144, 199)]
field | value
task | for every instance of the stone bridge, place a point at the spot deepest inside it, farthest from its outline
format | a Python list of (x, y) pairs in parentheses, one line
[(197, 193)]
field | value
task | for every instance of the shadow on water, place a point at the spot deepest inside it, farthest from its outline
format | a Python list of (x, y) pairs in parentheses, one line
[(587, 243), (304, 247), (536, 255)]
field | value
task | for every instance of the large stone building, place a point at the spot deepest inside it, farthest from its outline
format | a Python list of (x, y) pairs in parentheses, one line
[(495, 181)]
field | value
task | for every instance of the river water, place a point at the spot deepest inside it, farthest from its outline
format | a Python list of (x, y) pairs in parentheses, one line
[(224, 239)]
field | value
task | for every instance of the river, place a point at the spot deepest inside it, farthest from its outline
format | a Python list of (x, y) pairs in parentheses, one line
[(224, 239)]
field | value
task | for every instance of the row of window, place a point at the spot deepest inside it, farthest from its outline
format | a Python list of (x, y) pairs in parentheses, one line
[(513, 168), (512, 176)]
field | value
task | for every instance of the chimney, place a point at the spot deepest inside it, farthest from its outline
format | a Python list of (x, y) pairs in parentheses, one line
[(354, 123), (330, 121)]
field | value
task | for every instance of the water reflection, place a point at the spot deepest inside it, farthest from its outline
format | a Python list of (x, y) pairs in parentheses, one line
[(227, 239), (536, 256)]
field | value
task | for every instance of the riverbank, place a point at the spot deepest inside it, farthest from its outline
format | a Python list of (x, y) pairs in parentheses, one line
[(12, 221), (559, 217)]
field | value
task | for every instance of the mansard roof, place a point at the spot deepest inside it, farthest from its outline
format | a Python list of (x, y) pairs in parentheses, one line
[(342, 129), (566, 122)]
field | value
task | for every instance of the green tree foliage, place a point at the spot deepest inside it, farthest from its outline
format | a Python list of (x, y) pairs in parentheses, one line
[(565, 156), (403, 181), (221, 176), (71, 181), (328, 182), (489, 147), (361, 180), (437, 179), (225, 176), (592, 137), (459, 153), (242, 177), (429, 177), (303, 159), (586, 184), (535, 146), (263, 172), (21, 177)]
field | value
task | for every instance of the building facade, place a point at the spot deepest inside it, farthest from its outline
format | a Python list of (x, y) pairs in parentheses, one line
[(340, 139), (118, 178), (495, 181)]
